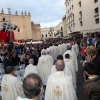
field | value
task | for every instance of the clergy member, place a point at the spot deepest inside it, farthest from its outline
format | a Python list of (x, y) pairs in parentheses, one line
[(11, 85), (72, 56), (30, 68), (60, 85), (53, 70), (69, 64), (43, 67), (67, 71), (49, 60), (32, 86)]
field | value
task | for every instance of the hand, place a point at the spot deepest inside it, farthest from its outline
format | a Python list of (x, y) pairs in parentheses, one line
[(81, 61), (89, 58)]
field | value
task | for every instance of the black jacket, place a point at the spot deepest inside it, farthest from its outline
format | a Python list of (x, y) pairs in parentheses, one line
[(7, 62), (97, 62), (35, 59)]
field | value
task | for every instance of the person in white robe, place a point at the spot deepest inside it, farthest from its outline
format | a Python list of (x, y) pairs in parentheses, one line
[(60, 49), (30, 68), (32, 87), (53, 70), (60, 85), (77, 48), (72, 56), (69, 63), (54, 52), (50, 60), (44, 65), (67, 71), (11, 85)]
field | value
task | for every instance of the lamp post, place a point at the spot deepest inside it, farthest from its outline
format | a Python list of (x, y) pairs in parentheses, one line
[(9, 24)]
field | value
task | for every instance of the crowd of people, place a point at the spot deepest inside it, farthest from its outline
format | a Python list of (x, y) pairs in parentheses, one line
[(51, 69)]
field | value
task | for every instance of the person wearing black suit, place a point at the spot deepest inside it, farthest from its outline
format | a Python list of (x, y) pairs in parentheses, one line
[(34, 56), (27, 57), (7, 62), (15, 59)]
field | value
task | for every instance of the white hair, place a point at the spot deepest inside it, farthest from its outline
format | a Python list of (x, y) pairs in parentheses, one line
[(31, 61)]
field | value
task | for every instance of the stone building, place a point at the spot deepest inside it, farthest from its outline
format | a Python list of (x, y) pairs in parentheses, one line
[(52, 32), (47, 33), (36, 31), (64, 24), (25, 28), (82, 16)]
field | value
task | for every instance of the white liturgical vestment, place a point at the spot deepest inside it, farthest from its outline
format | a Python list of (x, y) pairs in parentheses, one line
[(49, 62), (73, 57), (60, 49), (70, 64), (77, 49), (60, 87), (67, 71), (44, 67), (11, 87), (19, 98), (30, 69)]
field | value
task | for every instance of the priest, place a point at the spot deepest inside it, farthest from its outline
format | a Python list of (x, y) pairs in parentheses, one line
[(60, 85), (11, 85), (67, 71), (69, 63), (30, 68), (44, 65), (72, 56)]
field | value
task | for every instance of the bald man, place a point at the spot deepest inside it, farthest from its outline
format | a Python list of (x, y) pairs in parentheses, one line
[(30, 68), (59, 85)]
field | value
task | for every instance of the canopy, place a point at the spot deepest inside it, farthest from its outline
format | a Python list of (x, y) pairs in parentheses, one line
[(5, 36)]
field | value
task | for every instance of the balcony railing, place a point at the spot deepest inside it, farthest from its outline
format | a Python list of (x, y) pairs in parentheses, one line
[(96, 15)]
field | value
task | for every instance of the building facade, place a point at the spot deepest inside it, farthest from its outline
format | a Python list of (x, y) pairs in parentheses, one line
[(64, 24), (25, 29), (36, 31), (52, 32), (82, 16)]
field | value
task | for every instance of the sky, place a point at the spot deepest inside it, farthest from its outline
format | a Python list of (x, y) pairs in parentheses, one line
[(48, 13)]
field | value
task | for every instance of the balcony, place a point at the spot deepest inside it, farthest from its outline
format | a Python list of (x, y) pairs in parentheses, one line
[(96, 15), (80, 19), (72, 21)]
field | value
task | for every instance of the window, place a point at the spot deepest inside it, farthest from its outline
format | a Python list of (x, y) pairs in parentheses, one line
[(72, 7), (68, 11), (61, 29), (73, 16), (18, 29), (95, 1), (73, 25), (81, 23), (46, 35), (96, 10), (42, 35), (3, 19), (80, 3), (80, 13), (97, 21)]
